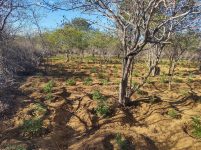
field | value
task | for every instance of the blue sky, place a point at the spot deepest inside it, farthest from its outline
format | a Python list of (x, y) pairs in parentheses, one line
[(52, 20)]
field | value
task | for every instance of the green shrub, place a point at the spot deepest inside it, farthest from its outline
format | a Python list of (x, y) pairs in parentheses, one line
[(90, 58), (32, 127), (101, 76), (196, 125), (40, 109), (121, 142), (88, 81), (102, 109), (94, 70), (96, 95), (49, 96), (104, 81), (48, 87), (184, 92), (177, 80), (190, 78), (136, 73), (71, 82), (163, 79), (173, 113)]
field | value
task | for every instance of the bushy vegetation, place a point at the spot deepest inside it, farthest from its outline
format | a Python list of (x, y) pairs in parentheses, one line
[(122, 143), (88, 81), (48, 87), (32, 127), (102, 108), (71, 82), (196, 126), (173, 113)]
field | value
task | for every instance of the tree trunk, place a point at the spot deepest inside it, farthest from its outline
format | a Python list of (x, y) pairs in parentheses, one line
[(123, 99), (123, 86), (153, 59), (156, 71)]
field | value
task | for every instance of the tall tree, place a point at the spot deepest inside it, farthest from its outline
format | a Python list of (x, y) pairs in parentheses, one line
[(80, 23), (138, 24)]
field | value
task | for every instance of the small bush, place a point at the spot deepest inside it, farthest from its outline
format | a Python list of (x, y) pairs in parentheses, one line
[(121, 142), (104, 82), (32, 127), (40, 110), (190, 78), (96, 95), (115, 69), (102, 109), (173, 113), (136, 74), (196, 125), (49, 96), (163, 79), (48, 87), (94, 70), (88, 81), (101, 76), (184, 92), (71, 82)]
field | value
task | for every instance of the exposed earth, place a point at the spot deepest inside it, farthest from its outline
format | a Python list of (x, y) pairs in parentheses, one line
[(66, 117)]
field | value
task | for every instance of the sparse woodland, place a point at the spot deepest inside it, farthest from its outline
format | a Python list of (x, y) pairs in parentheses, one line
[(133, 82)]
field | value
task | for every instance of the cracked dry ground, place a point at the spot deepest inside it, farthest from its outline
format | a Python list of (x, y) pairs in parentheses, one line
[(69, 120)]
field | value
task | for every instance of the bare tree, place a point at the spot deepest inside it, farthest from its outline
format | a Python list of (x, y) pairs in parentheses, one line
[(180, 44), (13, 14), (138, 23)]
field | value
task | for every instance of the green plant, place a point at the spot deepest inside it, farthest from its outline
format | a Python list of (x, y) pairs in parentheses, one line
[(136, 73), (101, 76), (104, 81), (177, 80), (190, 77), (71, 82), (184, 92), (163, 79), (121, 141), (96, 95), (40, 109), (94, 70), (173, 113), (88, 81), (102, 109), (196, 125), (49, 96), (48, 87), (32, 126)]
